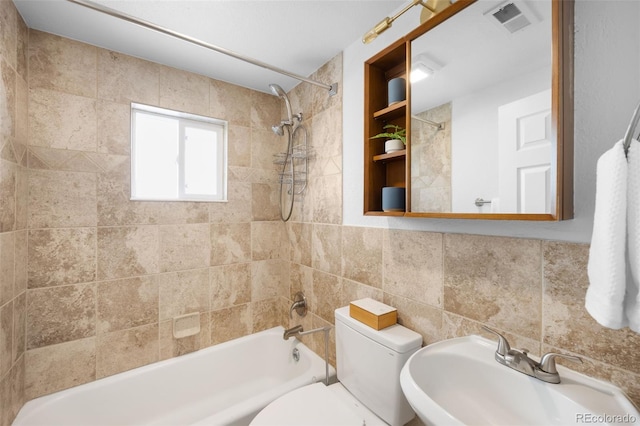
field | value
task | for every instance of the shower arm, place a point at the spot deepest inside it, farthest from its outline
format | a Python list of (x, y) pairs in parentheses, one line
[(333, 88)]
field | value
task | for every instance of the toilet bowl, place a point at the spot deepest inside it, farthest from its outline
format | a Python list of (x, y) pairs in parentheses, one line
[(368, 392)]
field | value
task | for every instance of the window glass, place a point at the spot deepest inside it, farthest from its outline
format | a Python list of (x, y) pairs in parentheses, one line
[(177, 156)]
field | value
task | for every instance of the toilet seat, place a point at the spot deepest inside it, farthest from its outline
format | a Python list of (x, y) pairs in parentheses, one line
[(319, 405)]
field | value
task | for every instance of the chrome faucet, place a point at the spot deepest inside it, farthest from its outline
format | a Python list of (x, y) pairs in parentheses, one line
[(519, 360), (293, 331), (299, 331)]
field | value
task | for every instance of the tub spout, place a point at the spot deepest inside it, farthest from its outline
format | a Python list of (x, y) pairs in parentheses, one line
[(292, 332)]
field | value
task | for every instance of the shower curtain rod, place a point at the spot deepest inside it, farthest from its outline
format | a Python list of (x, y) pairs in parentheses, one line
[(333, 88)]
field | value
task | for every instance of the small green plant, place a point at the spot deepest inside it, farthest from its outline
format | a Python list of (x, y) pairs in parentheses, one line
[(398, 133)]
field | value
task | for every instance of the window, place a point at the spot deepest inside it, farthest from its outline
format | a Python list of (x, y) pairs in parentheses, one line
[(177, 156)]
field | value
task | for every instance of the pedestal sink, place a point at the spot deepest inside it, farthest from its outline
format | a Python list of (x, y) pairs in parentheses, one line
[(458, 382)]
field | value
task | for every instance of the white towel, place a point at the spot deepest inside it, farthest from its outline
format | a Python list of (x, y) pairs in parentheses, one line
[(632, 298), (607, 266)]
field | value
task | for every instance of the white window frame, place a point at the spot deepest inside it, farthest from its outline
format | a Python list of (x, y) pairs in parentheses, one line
[(184, 120)]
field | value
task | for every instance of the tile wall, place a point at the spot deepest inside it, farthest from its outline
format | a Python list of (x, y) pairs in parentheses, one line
[(13, 209), (90, 280)]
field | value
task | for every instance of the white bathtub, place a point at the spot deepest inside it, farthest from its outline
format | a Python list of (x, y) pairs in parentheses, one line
[(226, 384)]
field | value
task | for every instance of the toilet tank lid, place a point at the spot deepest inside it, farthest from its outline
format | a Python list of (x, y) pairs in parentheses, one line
[(396, 337)]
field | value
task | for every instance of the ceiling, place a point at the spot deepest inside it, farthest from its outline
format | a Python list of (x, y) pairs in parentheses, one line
[(295, 35)]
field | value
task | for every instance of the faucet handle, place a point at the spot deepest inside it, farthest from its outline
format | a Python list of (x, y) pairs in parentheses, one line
[(503, 344), (548, 361)]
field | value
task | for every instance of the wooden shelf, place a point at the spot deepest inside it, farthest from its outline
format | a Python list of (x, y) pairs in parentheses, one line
[(381, 169), (391, 156), (398, 109)]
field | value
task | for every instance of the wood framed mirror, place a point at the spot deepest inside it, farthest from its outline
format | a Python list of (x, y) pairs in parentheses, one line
[(490, 131)]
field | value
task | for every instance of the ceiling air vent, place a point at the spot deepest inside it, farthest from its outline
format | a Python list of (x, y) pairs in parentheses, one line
[(512, 16)]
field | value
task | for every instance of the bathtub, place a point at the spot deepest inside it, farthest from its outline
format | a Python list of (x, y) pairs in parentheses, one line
[(225, 384)]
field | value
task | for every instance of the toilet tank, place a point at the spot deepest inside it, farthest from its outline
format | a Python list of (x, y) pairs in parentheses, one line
[(369, 363)]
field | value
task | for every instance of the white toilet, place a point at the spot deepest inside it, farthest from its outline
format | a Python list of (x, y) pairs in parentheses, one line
[(369, 393)]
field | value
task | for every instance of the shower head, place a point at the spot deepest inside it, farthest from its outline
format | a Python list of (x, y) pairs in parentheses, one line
[(278, 91)]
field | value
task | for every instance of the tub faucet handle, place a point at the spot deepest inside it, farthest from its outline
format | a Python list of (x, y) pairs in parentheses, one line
[(299, 305)]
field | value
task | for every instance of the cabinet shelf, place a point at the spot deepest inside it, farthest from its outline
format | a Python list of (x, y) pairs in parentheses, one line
[(396, 110), (381, 169), (391, 156)]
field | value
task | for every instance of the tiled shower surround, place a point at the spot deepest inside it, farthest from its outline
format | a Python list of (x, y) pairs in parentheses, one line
[(90, 280)]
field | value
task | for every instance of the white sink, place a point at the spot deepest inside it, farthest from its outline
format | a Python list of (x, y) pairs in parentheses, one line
[(458, 382)]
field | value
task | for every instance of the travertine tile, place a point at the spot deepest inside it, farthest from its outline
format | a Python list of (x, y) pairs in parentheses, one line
[(238, 206), (126, 303), (6, 338), (230, 102), (19, 326), (61, 256), (239, 146), (171, 347), (9, 33), (184, 247), (353, 290), (268, 313), (58, 367), (230, 243), (7, 266), (300, 279), (327, 295), (183, 293), (21, 256), (230, 285), (127, 251), (184, 91), (23, 48), (22, 118), (268, 241), (113, 128), (326, 198), (419, 317), (326, 243), (264, 144), (330, 73), (327, 130), (300, 236), (62, 199), (269, 279), (61, 64), (125, 79), (16, 377), (230, 323), (8, 176), (567, 324), (48, 108), (362, 255), (22, 197), (495, 281), (8, 110), (123, 350), (60, 314), (265, 199), (413, 265)]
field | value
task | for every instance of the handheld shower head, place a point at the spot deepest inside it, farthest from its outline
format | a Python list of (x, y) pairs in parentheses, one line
[(278, 91)]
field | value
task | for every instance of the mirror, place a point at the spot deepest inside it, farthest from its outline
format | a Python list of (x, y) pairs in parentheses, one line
[(484, 133)]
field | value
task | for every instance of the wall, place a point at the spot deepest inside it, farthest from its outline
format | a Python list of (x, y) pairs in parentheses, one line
[(13, 197), (105, 275)]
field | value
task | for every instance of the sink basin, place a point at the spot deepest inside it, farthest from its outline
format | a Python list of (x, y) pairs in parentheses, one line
[(458, 382)]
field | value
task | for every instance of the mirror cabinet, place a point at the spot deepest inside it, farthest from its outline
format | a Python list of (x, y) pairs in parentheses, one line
[(489, 131)]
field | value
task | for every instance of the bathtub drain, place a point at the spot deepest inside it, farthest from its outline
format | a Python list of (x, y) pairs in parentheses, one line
[(296, 354)]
